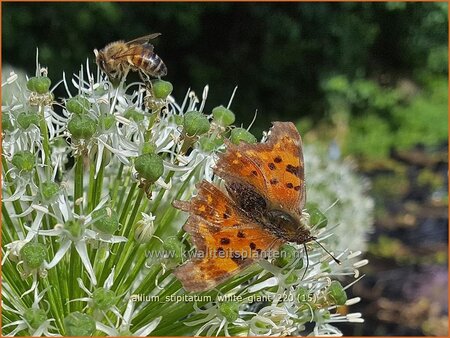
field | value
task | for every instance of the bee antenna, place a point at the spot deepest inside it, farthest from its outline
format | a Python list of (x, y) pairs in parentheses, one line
[(329, 253)]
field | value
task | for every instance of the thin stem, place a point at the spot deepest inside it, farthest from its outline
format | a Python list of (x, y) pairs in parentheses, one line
[(78, 184), (45, 141)]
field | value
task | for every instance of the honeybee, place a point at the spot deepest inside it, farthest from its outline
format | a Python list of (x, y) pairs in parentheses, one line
[(119, 57)]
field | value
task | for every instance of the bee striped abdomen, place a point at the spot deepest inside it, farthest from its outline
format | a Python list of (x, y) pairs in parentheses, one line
[(153, 65)]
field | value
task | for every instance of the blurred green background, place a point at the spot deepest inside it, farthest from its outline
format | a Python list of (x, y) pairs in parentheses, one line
[(369, 78)]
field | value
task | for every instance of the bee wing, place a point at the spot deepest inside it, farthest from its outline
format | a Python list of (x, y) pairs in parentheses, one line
[(133, 50), (143, 40)]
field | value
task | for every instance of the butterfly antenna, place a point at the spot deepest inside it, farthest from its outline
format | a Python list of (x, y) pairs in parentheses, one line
[(334, 258), (307, 260)]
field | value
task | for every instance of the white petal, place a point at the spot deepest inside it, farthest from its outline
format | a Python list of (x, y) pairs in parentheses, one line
[(81, 248), (147, 329), (273, 281), (35, 226), (108, 330), (110, 279), (65, 245)]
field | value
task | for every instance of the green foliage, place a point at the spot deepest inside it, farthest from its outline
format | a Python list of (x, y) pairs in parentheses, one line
[(276, 52), (425, 120), (379, 118), (369, 136)]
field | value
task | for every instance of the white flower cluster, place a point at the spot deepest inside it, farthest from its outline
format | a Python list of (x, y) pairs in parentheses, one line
[(341, 194), (88, 184)]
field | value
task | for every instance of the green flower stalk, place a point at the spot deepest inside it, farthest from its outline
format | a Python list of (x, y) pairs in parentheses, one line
[(90, 237)]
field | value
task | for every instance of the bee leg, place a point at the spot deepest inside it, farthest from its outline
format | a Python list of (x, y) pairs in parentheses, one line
[(125, 72), (144, 77)]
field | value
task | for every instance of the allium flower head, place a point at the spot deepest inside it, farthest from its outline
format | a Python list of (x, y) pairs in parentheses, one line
[(90, 236)]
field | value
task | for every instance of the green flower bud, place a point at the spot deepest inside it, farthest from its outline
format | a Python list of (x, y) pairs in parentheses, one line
[(31, 83), (317, 218), (6, 122), (26, 119), (148, 148), (106, 220), (230, 310), (49, 190), (303, 295), (35, 317), (162, 89), (209, 144), (106, 122), (149, 166), (74, 228), (291, 278), (179, 120), (240, 134), (286, 256), (33, 254), (173, 245), (79, 324), (24, 160), (134, 115), (82, 127), (40, 84), (195, 123), (223, 116), (103, 299), (78, 105), (336, 293)]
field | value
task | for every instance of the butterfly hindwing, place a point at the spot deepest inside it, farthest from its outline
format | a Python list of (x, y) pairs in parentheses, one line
[(226, 240)]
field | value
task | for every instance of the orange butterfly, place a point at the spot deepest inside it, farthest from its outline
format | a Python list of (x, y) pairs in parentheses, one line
[(263, 208)]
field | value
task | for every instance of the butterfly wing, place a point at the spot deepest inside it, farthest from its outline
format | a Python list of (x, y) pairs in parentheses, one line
[(226, 240), (274, 169)]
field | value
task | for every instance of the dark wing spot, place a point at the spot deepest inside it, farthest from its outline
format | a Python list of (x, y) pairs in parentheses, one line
[(224, 240), (254, 173), (292, 169), (220, 250), (235, 225), (271, 166), (273, 181), (297, 188), (277, 159), (237, 258), (289, 185), (225, 215), (252, 246), (241, 234)]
